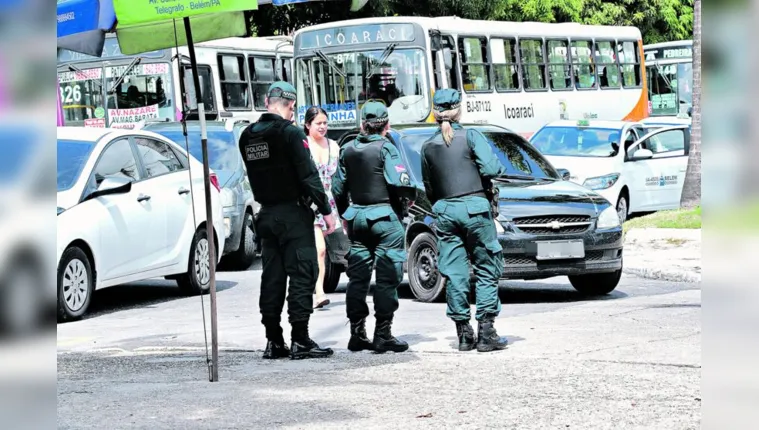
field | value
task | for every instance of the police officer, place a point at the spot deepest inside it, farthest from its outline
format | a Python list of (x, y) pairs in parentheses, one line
[(285, 181), (371, 173), (457, 166)]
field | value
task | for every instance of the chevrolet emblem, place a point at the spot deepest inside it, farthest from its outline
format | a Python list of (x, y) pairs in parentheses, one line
[(555, 225)]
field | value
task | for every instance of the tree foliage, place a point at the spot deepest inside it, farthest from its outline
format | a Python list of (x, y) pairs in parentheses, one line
[(658, 20)]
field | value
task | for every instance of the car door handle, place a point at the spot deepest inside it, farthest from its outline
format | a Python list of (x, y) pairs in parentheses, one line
[(142, 198), (183, 190)]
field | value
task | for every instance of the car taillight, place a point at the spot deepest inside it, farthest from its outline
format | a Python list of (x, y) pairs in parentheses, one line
[(215, 182)]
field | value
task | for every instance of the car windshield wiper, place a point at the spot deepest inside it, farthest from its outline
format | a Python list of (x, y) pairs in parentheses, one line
[(78, 70), (330, 63), (129, 68)]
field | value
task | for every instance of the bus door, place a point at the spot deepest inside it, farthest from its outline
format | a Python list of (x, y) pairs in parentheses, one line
[(444, 61)]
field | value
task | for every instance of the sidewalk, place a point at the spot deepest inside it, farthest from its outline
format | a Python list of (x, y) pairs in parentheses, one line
[(664, 254)]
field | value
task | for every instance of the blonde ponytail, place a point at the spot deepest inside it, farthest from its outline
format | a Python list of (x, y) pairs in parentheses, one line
[(445, 119)]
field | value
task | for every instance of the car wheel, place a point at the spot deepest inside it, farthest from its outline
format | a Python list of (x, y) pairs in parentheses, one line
[(197, 280), (75, 284), (596, 284), (332, 272), (622, 208), (427, 284), (246, 254)]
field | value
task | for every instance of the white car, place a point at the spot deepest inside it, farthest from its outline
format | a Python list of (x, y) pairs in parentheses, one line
[(127, 211), (638, 167)]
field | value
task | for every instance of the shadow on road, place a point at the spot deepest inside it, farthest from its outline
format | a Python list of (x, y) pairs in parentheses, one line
[(143, 294)]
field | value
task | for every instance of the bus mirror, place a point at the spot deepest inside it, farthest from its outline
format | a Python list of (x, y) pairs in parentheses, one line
[(448, 58), (191, 102), (436, 40)]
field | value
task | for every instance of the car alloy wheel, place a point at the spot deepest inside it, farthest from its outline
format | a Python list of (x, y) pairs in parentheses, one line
[(75, 285), (202, 262)]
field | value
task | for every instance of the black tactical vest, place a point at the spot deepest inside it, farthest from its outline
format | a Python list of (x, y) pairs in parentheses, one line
[(365, 171), (270, 170), (453, 172)]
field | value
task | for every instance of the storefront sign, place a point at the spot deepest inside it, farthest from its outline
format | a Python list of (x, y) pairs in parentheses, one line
[(356, 35)]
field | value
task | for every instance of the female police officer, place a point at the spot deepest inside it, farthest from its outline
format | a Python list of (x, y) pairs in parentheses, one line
[(456, 164), (371, 173)]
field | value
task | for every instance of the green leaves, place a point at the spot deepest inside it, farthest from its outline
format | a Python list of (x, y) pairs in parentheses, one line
[(658, 20)]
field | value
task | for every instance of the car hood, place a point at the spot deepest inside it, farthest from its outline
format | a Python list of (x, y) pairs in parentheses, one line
[(582, 168), (548, 198)]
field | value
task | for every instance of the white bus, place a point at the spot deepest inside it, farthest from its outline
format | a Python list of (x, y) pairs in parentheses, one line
[(119, 91), (517, 75), (669, 71)]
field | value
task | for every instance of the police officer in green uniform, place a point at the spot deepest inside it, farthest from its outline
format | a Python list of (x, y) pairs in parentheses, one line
[(285, 181), (371, 172), (457, 167)]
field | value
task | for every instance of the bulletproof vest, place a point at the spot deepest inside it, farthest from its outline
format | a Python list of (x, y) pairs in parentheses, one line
[(270, 170), (453, 172), (366, 172)]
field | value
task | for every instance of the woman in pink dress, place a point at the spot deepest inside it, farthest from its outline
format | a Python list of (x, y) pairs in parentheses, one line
[(325, 153)]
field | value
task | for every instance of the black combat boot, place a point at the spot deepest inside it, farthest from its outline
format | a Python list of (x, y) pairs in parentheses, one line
[(488, 339), (359, 340), (466, 335), (384, 340), (275, 345), (302, 345)]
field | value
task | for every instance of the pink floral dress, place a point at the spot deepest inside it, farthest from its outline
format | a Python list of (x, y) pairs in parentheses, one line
[(326, 171)]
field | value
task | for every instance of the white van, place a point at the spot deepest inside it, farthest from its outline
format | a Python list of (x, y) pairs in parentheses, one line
[(637, 166)]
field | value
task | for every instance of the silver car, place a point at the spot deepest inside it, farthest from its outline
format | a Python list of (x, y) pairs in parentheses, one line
[(236, 195)]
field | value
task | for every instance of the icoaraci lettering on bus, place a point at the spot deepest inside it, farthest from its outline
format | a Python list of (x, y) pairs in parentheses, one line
[(519, 112), (358, 34)]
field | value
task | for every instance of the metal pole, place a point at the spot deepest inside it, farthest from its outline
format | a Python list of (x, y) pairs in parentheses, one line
[(214, 376)]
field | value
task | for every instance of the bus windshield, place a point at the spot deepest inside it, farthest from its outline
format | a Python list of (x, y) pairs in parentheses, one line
[(670, 87), (142, 91), (81, 96), (395, 77)]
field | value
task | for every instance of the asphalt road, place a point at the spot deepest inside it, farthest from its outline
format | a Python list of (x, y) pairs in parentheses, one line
[(630, 359)]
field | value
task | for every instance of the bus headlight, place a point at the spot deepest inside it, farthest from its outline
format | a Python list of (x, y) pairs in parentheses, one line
[(609, 218), (601, 182)]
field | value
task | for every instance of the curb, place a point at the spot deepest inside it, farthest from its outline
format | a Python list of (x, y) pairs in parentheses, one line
[(664, 275)]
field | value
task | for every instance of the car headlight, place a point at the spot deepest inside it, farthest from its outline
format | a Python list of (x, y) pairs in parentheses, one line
[(609, 218), (228, 197), (601, 182)]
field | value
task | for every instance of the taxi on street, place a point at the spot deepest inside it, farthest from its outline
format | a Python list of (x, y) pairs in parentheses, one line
[(637, 166)]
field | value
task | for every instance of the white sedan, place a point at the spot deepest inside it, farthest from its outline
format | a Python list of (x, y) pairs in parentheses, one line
[(127, 211)]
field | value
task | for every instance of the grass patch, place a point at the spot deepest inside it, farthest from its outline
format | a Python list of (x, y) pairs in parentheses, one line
[(680, 218)]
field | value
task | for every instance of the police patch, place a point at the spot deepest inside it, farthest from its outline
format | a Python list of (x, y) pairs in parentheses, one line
[(257, 151), (405, 180)]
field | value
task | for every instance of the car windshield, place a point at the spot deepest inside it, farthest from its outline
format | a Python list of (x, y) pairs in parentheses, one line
[(223, 153), (577, 141), (519, 158), (72, 156)]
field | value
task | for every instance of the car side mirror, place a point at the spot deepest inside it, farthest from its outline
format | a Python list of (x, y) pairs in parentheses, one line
[(564, 173), (447, 58), (642, 154), (111, 186)]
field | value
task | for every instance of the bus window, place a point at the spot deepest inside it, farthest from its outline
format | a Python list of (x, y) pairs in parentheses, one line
[(475, 69), (140, 92), (629, 61), (234, 87), (287, 73), (582, 63), (81, 95), (261, 76), (503, 55), (533, 64), (559, 70), (608, 70), (453, 80)]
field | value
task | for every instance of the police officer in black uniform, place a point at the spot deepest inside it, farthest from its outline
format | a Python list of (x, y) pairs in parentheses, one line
[(285, 182), (372, 174)]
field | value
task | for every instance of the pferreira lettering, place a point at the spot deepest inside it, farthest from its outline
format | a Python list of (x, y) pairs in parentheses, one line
[(519, 112)]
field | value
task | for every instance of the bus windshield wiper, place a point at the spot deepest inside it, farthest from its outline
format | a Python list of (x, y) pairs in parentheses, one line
[(386, 53), (330, 63), (129, 68), (75, 69)]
